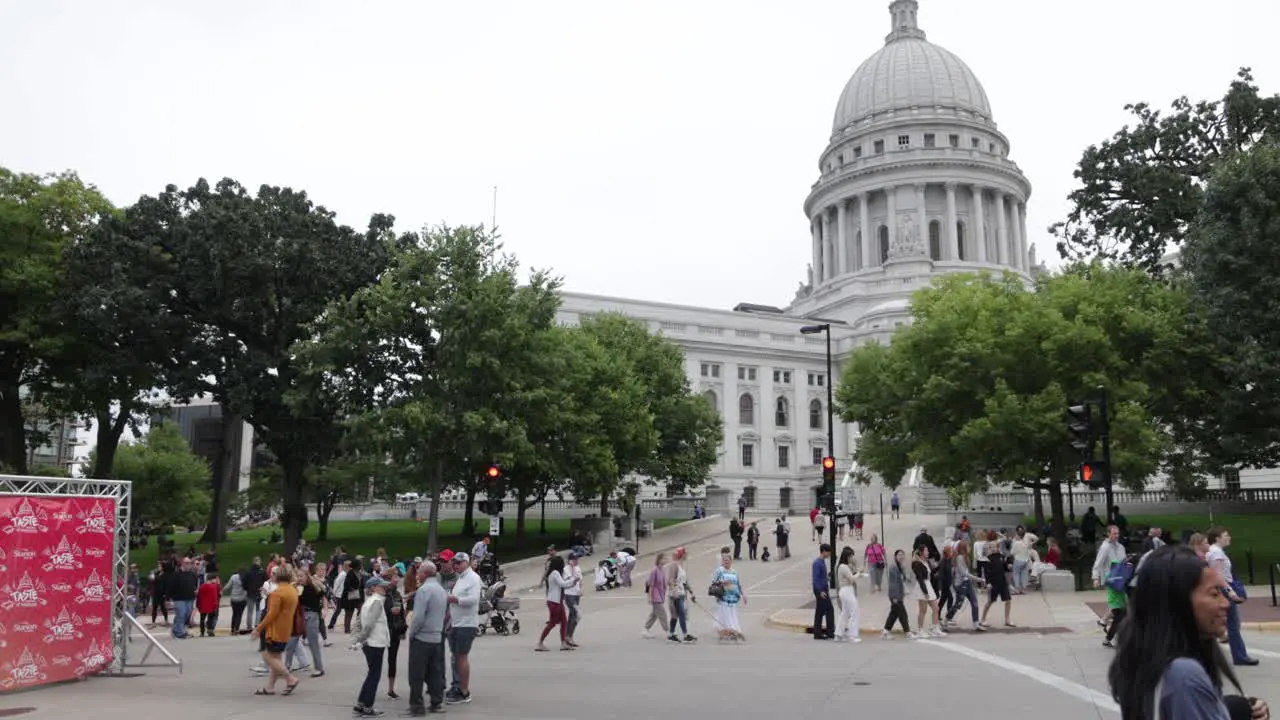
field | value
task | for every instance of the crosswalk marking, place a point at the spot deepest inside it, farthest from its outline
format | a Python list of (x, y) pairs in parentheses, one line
[(1089, 695)]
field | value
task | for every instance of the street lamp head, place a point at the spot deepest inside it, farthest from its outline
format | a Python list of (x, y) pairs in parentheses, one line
[(814, 329)]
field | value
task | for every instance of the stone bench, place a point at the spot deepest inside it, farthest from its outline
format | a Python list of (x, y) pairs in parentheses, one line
[(1057, 581)]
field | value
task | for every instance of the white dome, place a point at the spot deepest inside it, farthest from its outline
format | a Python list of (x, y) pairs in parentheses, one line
[(908, 73)]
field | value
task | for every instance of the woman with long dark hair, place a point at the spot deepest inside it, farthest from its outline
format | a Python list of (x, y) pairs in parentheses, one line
[(556, 582), (897, 590), (1168, 665), (846, 575)]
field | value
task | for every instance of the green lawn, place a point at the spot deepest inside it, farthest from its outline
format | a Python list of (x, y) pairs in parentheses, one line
[(1254, 540), (401, 538)]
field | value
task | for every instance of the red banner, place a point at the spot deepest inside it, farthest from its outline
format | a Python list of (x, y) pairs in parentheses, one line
[(55, 588)]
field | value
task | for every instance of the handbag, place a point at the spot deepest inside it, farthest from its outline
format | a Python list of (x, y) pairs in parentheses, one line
[(299, 622), (1237, 587), (716, 590)]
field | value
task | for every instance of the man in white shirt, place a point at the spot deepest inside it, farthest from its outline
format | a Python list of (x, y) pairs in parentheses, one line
[(1109, 553), (572, 595), (480, 549), (465, 618), (626, 563)]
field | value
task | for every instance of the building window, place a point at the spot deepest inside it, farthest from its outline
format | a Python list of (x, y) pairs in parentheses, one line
[(710, 397), (711, 370), (975, 143), (780, 413), (748, 455), (879, 146), (883, 232), (930, 140), (749, 494), (935, 240), (857, 152), (818, 454), (784, 457), (992, 148), (1231, 479), (960, 239), (817, 380), (781, 377), (954, 140), (904, 141), (746, 410), (746, 373), (815, 415)]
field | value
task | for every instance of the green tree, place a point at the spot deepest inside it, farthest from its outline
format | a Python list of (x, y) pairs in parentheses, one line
[(170, 483), (426, 363), (1142, 189), (1232, 265), (41, 216), (974, 391), (248, 274)]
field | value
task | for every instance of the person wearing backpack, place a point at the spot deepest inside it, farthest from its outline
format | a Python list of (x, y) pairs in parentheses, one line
[(1110, 555)]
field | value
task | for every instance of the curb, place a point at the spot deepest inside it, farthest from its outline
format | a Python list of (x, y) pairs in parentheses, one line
[(802, 628), (1266, 627)]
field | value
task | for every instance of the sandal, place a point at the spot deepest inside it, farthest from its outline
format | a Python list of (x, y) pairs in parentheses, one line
[(288, 689), (263, 691)]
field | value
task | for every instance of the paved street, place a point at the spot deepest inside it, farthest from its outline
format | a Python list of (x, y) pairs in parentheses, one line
[(618, 674)]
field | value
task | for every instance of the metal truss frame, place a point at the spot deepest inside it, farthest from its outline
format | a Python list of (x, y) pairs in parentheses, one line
[(122, 492)]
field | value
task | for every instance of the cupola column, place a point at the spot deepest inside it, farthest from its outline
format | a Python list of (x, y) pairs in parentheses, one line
[(953, 241), (891, 219), (843, 264), (922, 220), (1023, 256), (1002, 230), (979, 224), (816, 230), (864, 222), (828, 257), (1015, 236)]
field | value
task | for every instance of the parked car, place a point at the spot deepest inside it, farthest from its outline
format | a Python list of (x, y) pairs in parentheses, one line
[(409, 497)]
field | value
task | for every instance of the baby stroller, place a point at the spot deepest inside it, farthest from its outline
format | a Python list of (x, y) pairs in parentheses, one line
[(607, 574), (498, 611)]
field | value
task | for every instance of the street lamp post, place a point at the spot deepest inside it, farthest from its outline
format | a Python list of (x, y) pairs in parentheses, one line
[(831, 439)]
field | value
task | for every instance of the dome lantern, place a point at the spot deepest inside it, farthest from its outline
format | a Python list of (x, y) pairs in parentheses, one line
[(904, 25)]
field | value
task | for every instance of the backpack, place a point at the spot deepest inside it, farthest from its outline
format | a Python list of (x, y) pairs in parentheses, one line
[(1120, 575)]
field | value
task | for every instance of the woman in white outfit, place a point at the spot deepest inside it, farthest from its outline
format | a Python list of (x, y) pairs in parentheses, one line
[(847, 625), (922, 588)]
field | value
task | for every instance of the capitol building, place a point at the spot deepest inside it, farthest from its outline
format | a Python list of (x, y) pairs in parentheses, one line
[(916, 180)]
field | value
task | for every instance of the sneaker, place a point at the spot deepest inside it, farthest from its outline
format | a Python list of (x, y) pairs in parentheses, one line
[(913, 636), (452, 694), (886, 635), (459, 699), (673, 638), (436, 709), (371, 713), (646, 634), (690, 638)]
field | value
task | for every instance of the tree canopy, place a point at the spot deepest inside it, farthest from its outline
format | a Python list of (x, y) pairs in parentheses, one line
[(974, 391), (170, 483), (1141, 190)]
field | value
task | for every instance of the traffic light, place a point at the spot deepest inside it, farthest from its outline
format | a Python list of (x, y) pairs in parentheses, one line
[(829, 481), (493, 477), (1094, 473), (1080, 423), (494, 473)]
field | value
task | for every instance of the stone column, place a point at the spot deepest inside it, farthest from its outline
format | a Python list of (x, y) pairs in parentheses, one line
[(816, 230), (979, 224), (922, 221), (828, 257), (1015, 237), (1002, 230), (1025, 255), (864, 222), (891, 221), (953, 239), (842, 238)]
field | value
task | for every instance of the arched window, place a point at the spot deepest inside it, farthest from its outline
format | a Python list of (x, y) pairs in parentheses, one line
[(884, 244), (815, 415), (746, 410), (780, 413), (960, 239), (710, 397), (935, 240)]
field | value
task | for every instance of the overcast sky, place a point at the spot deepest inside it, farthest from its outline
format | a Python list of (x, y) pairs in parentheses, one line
[(659, 150)]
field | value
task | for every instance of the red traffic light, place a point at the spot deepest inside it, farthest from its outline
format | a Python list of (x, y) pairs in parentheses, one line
[(493, 472), (828, 463), (1086, 472)]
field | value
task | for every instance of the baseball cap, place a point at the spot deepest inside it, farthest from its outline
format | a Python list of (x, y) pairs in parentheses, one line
[(418, 559), (446, 555), (374, 581), (462, 558)]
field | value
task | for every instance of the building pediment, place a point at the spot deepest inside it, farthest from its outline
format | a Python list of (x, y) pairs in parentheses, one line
[(749, 436)]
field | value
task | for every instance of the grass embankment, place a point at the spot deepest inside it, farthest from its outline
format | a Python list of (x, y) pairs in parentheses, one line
[(1255, 541), (403, 539)]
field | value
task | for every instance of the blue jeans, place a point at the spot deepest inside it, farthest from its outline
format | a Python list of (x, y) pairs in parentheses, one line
[(369, 690), (1021, 574), (962, 592), (1234, 639), (182, 616), (679, 613)]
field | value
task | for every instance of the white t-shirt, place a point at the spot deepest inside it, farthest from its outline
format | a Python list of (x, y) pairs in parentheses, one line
[(573, 573), (1217, 558), (556, 584), (624, 558)]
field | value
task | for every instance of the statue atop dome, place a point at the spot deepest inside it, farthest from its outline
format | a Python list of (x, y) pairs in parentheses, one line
[(903, 13)]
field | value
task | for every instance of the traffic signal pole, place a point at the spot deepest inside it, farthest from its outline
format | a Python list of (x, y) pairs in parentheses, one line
[(831, 450), (1105, 437)]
